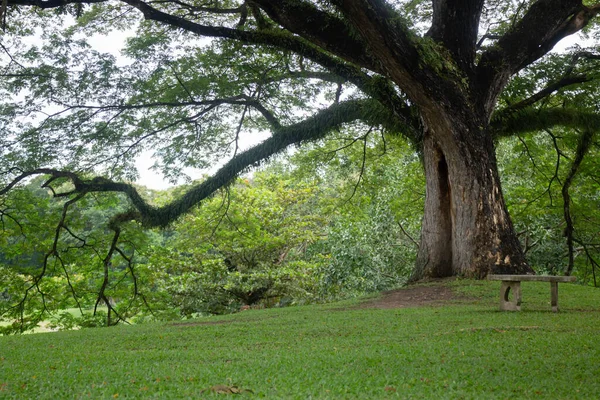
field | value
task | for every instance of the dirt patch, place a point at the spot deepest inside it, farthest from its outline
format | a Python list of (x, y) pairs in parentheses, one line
[(413, 296)]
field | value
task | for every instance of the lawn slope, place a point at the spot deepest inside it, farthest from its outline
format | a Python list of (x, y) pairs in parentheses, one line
[(463, 349)]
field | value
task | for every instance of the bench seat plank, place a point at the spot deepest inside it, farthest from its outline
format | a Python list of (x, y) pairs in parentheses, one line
[(531, 278)]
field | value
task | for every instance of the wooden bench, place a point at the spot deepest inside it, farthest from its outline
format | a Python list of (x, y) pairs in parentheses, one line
[(513, 282)]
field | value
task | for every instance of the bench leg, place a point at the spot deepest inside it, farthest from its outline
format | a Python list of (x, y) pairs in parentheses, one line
[(554, 296), (505, 289)]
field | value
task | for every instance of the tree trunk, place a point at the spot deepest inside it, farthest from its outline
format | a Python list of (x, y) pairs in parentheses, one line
[(466, 228)]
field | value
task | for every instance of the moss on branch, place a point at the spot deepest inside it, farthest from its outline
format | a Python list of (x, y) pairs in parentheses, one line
[(313, 128), (532, 120)]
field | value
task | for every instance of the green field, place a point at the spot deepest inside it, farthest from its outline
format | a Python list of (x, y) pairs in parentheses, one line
[(463, 349)]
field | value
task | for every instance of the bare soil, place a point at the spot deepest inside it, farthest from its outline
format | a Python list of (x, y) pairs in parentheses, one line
[(413, 296)]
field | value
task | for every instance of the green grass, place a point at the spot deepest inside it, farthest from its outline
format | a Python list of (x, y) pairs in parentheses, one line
[(464, 349)]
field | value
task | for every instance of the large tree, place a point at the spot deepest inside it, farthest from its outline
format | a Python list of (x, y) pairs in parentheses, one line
[(451, 76)]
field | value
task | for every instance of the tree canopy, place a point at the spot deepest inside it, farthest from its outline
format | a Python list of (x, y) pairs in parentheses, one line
[(198, 79)]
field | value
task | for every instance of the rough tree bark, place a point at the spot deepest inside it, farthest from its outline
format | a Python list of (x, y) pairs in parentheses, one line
[(466, 228)]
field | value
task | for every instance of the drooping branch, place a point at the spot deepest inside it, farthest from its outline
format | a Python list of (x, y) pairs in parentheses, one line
[(559, 156), (588, 252), (136, 286), (106, 264), (585, 141), (362, 165), (36, 280), (6, 215)]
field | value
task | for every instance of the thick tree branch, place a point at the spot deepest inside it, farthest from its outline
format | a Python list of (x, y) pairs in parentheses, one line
[(73, 177), (345, 48), (456, 25), (320, 28), (194, 8), (545, 24), (420, 67), (575, 24), (376, 87), (540, 26), (313, 128), (388, 40), (534, 120), (46, 4), (545, 92)]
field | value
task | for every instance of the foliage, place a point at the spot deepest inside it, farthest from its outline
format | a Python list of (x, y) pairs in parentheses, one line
[(462, 350), (68, 320), (371, 243), (534, 179), (281, 237), (317, 226), (366, 254), (246, 247), (47, 270), (285, 237)]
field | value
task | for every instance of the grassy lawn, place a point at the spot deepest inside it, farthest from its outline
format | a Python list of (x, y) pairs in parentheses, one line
[(465, 349)]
